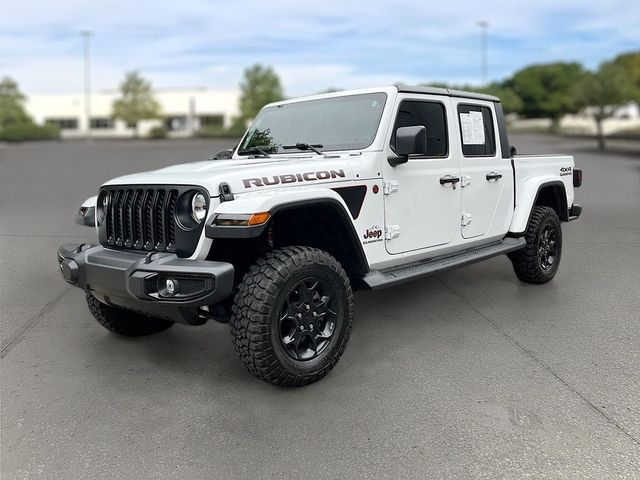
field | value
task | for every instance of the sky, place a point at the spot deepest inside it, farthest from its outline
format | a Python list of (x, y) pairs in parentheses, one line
[(313, 45)]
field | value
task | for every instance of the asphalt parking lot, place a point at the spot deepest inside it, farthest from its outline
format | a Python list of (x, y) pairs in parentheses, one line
[(467, 374)]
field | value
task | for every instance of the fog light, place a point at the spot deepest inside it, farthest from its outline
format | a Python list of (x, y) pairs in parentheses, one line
[(171, 286)]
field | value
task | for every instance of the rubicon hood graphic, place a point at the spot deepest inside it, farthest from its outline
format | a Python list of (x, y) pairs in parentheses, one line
[(243, 175), (293, 178)]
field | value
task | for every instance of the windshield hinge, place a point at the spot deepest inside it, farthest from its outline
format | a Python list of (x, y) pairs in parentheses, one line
[(389, 186), (225, 192)]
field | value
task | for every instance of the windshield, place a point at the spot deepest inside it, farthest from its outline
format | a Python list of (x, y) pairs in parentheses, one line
[(337, 123)]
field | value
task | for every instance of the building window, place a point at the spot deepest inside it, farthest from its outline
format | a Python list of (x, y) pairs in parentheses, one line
[(211, 121), (101, 123), (176, 123), (63, 123)]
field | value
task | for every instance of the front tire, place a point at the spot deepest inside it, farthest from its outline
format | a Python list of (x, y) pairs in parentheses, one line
[(292, 315), (125, 322), (539, 260)]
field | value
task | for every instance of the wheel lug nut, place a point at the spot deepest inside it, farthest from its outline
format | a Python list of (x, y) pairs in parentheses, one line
[(301, 327), (315, 314), (307, 307)]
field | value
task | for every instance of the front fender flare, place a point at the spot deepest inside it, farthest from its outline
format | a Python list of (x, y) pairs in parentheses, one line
[(270, 201), (277, 201)]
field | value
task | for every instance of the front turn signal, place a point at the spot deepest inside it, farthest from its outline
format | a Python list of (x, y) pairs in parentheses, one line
[(258, 218)]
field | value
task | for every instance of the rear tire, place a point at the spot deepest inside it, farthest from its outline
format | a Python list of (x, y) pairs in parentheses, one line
[(125, 322), (292, 314), (539, 260)]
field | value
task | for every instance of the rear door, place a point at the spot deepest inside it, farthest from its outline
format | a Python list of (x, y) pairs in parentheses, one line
[(486, 177), (420, 211)]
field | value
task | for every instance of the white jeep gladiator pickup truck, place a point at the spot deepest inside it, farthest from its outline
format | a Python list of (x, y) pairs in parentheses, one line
[(322, 196)]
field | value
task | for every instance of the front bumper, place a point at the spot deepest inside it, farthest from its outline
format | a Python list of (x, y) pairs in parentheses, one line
[(137, 281)]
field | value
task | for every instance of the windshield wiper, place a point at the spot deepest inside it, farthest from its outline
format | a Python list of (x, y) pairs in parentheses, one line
[(305, 146), (254, 151)]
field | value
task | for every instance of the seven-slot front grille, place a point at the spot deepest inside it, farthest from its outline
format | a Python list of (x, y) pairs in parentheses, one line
[(141, 218), (149, 218)]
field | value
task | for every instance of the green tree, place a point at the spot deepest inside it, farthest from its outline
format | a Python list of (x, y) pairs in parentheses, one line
[(11, 104), (547, 90), (602, 92), (261, 85), (137, 101), (511, 102), (629, 64)]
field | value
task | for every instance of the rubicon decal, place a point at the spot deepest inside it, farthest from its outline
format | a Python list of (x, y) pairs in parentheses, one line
[(292, 178), (565, 171), (372, 235)]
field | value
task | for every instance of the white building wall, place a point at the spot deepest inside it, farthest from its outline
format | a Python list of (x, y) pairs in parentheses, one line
[(187, 105), (624, 118)]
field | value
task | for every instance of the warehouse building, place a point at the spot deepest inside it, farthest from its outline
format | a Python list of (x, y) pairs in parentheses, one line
[(183, 112)]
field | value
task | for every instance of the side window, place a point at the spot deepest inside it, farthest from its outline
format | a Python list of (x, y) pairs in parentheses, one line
[(476, 131), (430, 114)]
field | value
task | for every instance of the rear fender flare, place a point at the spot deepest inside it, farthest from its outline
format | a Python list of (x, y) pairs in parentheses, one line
[(528, 198)]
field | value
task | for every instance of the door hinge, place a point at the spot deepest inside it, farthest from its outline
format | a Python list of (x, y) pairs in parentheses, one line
[(465, 181), (389, 186), (466, 219), (392, 231)]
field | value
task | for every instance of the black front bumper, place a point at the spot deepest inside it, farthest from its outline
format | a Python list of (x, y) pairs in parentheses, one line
[(137, 281)]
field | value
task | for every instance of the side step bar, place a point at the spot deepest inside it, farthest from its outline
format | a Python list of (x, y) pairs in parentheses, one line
[(386, 278)]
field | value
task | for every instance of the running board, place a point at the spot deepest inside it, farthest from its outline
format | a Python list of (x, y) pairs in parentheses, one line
[(386, 278)]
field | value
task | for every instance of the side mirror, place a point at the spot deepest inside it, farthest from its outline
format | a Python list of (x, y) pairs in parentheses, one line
[(223, 155), (409, 141)]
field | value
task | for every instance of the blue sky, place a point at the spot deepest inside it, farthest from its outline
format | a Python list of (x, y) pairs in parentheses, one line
[(312, 45)]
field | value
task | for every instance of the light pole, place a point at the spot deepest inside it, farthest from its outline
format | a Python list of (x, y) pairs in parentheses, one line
[(484, 60), (86, 35)]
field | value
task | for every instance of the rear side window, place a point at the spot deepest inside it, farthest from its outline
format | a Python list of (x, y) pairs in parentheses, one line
[(476, 131), (431, 115)]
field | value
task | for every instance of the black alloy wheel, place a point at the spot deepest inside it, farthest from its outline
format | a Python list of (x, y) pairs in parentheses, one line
[(539, 260), (548, 247), (292, 315), (308, 318)]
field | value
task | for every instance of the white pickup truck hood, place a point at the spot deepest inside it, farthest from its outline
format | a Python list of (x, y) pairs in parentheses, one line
[(247, 175)]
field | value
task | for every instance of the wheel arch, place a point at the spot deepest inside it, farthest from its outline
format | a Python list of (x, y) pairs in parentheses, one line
[(327, 220), (545, 193), (311, 217)]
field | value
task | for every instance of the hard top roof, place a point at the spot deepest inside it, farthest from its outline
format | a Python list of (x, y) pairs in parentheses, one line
[(446, 91)]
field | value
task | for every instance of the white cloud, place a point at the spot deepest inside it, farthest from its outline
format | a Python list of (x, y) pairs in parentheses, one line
[(313, 45)]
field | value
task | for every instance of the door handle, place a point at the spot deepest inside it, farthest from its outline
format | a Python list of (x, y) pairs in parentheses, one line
[(449, 179), (493, 176)]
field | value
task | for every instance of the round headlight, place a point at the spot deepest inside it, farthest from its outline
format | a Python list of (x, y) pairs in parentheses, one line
[(102, 206), (198, 207)]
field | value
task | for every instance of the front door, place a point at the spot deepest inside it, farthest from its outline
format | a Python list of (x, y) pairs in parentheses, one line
[(422, 196), (486, 177)]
